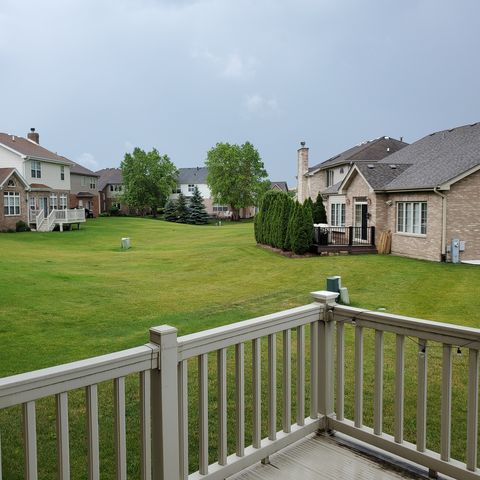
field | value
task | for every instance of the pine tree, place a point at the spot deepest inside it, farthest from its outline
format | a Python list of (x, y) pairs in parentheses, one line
[(319, 213), (301, 235), (170, 214), (197, 214), (182, 209), (287, 212)]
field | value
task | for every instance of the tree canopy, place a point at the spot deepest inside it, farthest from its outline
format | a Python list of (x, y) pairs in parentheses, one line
[(236, 176), (148, 178)]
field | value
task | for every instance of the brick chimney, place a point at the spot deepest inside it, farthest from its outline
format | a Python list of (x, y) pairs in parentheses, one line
[(302, 168), (33, 136)]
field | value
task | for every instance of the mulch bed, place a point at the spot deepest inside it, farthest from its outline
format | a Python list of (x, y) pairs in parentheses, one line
[(279, 251)]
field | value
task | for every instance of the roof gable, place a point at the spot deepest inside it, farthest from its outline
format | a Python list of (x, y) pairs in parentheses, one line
[(7, 173), (192, 176), (108, 176)]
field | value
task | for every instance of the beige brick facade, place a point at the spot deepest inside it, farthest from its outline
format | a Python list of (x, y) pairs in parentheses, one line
[(463, 215)]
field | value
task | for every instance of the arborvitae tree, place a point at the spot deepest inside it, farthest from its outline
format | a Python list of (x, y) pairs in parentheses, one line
[(301, 235), (197, 214), (291, 225), (170, 213), (182, 209), (319, 213), (308, 206), (286, 214)]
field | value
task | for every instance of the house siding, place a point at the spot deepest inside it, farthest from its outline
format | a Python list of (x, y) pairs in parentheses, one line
[(463, 215), (76, 187)]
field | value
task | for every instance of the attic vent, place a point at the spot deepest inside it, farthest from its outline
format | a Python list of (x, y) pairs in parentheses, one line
[(393, 167), (386, 138), (370, 165)]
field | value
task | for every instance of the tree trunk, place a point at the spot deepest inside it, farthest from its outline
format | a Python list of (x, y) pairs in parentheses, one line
[(235, 214)]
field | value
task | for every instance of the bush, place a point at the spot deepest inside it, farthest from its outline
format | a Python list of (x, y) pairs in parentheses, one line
[(114, 210), (104, 214), (170, 212), (301, 230), (319, 213), (21, 227)]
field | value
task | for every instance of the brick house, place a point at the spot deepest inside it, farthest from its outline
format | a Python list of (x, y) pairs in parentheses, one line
[(427, 194), (14, 198), (84, 189), (111, 189)]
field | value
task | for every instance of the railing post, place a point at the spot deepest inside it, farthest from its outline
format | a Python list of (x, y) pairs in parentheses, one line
[(325, 353), (164, 404), (372, 233), (350, 235)]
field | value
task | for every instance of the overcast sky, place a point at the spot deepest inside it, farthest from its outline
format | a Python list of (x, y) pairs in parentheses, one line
[(98, 77)]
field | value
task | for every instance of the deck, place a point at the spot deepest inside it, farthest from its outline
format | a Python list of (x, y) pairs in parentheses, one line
[(323, 457), (347, 240)]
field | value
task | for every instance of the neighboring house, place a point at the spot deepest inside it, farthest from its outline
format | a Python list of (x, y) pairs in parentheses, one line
[(40, 181), (282, 186), (111, 189), (427, 195), (84, 189), (188, 178), (329, 174)]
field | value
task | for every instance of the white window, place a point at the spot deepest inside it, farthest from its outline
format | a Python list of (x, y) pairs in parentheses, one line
[(11, 203), (412, 217), (177, 189), (33, 203), (63, 201), (93, 183), (111, 188), (62, 172), (191, 188), (220, 208), (84, 181), (329, 177), (53, 202), (337, 215), (36, 169)]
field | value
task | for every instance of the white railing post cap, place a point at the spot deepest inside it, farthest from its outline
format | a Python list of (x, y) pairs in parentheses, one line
[(324, 296), (156, 333)]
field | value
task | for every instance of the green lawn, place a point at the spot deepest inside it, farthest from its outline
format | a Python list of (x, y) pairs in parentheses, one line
[(72, 295)]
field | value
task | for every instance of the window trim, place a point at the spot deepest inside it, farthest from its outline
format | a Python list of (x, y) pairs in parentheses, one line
[(191, 187), (330, 173), (62, 172), (36, 169), (8, 204), (412, 218), (337, 214)]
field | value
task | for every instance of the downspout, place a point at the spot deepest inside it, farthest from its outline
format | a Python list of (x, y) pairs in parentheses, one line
[(444, 222)]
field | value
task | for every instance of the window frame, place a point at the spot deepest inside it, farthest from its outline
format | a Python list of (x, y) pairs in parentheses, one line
[(36, 169), (62, 172), (337, 214), (11, 204), (62, 201), (191, 187), (330, 177), (411, 218)]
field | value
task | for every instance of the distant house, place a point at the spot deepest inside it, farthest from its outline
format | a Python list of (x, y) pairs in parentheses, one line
[(37, 184), (84, 188), (282, 186), (111, 189)]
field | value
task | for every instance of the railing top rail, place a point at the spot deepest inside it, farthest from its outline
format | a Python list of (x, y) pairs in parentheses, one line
[(228, 335), (425, 329), (49, 381)]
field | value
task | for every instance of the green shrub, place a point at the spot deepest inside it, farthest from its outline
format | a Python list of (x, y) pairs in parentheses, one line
[(21, 226), (104, 214), (170, 213), (319, 213), (301, 230), (114, 210)]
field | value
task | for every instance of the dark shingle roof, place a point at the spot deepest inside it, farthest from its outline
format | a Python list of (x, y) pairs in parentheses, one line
[(280, 186), (81, 170), (437, 158), (31, 149), (108, 176), (192, 176), (332, 188), (371, 150), (380, 174)]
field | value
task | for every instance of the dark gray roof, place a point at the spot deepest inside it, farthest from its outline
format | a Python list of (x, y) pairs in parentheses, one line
[(372, 150), (436, 158), (380, 174), (280, 186), (192, 176), (109, 176), (81, 170), (332, 188)]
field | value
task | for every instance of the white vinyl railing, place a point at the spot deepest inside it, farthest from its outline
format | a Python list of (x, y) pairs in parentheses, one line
[(318, 341), (70, 215)]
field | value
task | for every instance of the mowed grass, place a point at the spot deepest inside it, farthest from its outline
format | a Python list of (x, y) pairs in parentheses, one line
[(72, 295)]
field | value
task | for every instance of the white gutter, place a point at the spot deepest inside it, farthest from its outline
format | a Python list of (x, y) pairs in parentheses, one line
[(444, 220)]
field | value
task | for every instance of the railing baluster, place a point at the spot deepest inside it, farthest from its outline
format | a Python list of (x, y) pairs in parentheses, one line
[(92, 433), (422, 381), (446, 404), (313, 370), (272, 386), (340, 399), (203, 411), (145, 426), (301, 375), (120, 432), (222, 405), (30, 440), (472, 410), (378, 395), (287, 381), (399, 387), (182, 381), (0, 455), (358, 416), (257, 396), (240, 398), (63, 450)]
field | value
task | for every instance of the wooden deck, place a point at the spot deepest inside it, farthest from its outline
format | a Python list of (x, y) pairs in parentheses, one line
[(321, 457)]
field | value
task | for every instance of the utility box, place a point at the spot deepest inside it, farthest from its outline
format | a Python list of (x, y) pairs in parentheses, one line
[(455, 250), (125, 243), (334, 284)]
